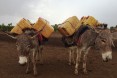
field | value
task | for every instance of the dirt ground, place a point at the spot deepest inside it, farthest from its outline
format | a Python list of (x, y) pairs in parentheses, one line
[(55, 62)]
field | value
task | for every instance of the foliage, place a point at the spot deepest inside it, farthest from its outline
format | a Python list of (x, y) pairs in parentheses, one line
[(55, 27), (113, 28), (4, 27), (8, 27)]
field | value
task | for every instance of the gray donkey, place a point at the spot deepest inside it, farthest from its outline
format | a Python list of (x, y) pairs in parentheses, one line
[(102, 41), (28, 48)]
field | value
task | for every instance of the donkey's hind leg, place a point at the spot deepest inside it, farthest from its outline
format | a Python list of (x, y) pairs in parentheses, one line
[(85, 60), (41, 54), (70, 56), (77, 60)]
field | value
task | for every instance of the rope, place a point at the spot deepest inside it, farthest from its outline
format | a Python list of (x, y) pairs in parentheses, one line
[(70, 23)]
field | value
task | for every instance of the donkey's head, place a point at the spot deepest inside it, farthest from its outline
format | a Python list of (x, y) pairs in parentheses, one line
[(103, 44), (23, 44)]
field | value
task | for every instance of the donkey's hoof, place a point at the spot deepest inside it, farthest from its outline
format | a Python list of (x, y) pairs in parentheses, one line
[(41, 63), (76, 72), (85, 72), (69, 64), (27, 72), (74, 62), (35, 73)]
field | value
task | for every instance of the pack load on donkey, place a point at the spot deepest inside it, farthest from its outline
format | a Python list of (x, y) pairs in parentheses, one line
[(22, 24), (80, 26), (44, 26), (88, 20), (72, 24), (41, 25), (68, 27)]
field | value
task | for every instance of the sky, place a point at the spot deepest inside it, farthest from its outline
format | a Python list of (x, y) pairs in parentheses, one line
[(57, 11)]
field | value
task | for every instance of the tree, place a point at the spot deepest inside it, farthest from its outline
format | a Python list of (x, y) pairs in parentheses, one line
[(55, 27), (4, 27)]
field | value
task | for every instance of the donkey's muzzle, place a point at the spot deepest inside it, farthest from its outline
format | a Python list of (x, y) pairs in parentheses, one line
[(22, 60)]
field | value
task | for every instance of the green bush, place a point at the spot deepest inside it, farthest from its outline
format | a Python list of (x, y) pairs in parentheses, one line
[(4, 27), (55, 27)]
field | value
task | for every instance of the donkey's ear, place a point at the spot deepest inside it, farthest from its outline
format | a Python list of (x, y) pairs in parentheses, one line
[(114, 35), (12, 35)]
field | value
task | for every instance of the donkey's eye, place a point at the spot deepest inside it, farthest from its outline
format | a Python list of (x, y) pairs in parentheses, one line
[(28, 46), (104, 41), (16, 45)]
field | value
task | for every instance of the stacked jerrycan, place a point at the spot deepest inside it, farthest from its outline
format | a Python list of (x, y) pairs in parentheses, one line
[(41, 25), (22, 24), (69, 26), (44, 27), (89, 20)]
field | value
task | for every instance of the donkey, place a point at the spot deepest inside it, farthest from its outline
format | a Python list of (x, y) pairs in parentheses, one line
[(102, 41), (41, 40), (27, 47), (70, 43)]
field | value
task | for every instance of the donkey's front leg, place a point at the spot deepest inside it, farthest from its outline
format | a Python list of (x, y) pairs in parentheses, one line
[(28, 64), (39, 56), (34, 62), (74, 55), (70, 56)]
